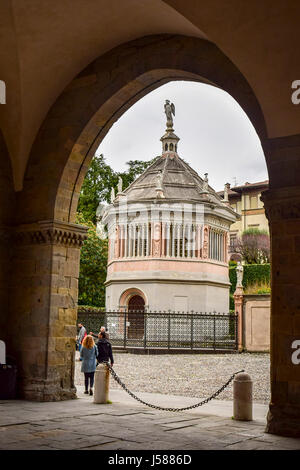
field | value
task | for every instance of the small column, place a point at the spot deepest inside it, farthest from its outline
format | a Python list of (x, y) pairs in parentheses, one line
[(130, 240), (183, 240), (173, 240), (126, 241), (168, 233), (178, 239), (238, 304), (133, 240), (164, 229), (147, 240)]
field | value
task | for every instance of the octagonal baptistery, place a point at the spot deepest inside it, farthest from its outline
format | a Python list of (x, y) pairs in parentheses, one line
[(168, 238)]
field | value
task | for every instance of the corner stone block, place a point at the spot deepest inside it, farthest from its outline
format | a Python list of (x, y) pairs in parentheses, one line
[(70, 331)]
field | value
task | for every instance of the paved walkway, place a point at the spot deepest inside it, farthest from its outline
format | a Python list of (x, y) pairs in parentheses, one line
[(129, 425)]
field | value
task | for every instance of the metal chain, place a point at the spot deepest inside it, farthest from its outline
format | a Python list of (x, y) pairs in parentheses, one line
[(214, 395)]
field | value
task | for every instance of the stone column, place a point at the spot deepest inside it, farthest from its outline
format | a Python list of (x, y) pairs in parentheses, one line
[(283, 212), (238, 308), (43, 308)]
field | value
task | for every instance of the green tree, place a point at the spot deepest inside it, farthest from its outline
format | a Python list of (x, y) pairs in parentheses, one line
[(93, 266), (96, 187), (99, 180)]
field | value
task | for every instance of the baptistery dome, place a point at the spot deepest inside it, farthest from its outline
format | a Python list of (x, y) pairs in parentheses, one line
[(168, 239)]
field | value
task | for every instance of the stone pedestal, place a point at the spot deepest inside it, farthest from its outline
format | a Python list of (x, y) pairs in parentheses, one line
[(43, 308), (101, 384), (238, 308), (283, 211), (242, 397)]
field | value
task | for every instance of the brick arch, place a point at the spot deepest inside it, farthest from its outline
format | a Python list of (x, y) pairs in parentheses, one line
[(128, 293), (98, 96)]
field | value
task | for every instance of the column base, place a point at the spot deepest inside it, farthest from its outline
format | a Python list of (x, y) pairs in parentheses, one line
[(283, 420), (43, 390)]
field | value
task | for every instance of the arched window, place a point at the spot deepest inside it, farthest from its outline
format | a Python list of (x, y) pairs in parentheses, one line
[(171, 146), (166, 147)]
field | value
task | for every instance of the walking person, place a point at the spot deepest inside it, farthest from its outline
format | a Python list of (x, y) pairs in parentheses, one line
[(88, 355), (104, 349), (101, 329), (82, 333)]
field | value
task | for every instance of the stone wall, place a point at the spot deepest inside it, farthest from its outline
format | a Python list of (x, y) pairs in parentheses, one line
[(256, 322)]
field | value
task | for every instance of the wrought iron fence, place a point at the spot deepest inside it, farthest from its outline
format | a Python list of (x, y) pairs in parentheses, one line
[(167, 330)]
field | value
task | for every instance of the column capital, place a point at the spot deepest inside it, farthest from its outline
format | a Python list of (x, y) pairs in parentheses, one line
[(51, 232), (282, 203)]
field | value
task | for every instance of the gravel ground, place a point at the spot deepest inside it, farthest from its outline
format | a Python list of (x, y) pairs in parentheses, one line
[(197, 375)]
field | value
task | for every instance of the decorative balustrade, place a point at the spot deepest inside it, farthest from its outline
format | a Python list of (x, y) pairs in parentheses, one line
[(168, 240)]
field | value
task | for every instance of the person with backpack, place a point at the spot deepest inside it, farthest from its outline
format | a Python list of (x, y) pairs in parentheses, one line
[(104, 349)]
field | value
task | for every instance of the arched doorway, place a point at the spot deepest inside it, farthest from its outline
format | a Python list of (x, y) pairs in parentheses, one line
[(136, 309), (136, 303)]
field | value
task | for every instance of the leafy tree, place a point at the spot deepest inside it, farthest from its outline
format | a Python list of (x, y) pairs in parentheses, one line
[(93, 266), (96, 187), (254, 246), (99, 180)]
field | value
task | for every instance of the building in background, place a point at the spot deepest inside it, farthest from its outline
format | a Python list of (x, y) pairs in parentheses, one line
[(245, 200), (168, 239)]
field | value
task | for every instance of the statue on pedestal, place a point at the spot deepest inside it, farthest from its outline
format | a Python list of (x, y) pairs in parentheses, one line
[(120, 185), (169, 110), (205, 183), (112, 195), (239, 275)]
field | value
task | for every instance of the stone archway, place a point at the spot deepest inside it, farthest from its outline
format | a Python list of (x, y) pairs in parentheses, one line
[(47, 245), (47, 248), (128, 294)]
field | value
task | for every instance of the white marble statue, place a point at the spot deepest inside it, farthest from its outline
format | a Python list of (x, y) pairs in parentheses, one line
[(112, 195), (239, 275), (120, 185), (205, 183), (159, 180)]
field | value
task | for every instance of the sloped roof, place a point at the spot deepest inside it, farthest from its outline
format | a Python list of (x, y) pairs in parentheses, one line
[(234, 191), (178, 182)]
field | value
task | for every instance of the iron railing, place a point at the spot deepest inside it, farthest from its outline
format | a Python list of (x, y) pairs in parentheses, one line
[(166, 330)]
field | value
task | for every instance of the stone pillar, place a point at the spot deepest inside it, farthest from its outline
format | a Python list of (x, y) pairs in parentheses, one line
[(283, 212), (43, 308), (238, 308)]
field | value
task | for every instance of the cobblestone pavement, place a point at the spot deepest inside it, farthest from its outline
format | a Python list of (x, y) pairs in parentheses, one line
[(83, 425), (197, 375)]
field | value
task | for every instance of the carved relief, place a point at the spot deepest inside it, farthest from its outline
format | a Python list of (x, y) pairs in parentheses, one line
[(281, 205), (54, 233), (205, 243), (156, 243), (117, 238)]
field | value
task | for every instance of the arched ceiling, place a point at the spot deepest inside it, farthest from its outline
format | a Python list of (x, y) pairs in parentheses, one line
[(46, 43), (260, 37)]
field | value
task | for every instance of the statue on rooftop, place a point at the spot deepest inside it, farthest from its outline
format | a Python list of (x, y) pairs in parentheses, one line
[(120, 184), (169, 110), (112, 194), (205, 183)]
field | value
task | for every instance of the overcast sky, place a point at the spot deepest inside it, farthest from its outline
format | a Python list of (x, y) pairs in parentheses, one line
[(216, 136)]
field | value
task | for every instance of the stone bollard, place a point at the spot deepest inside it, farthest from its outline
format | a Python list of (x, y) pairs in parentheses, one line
[(242, 397), (101, 384)]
